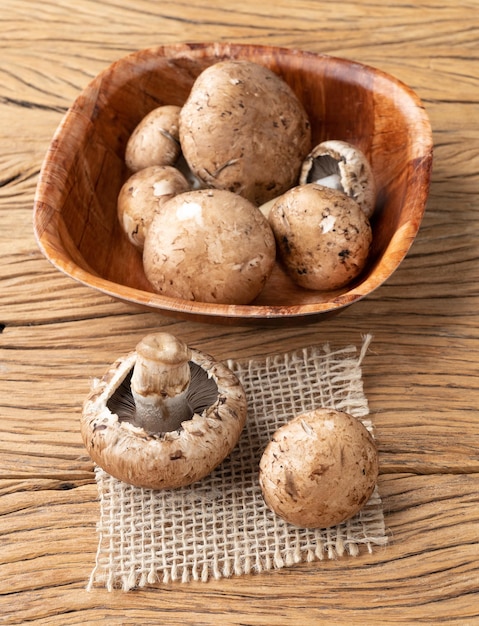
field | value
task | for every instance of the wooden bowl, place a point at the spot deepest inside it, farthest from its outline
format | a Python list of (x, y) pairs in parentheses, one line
[(75, 219)]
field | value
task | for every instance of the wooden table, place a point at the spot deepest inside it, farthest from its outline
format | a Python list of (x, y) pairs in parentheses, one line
[(420, 374)]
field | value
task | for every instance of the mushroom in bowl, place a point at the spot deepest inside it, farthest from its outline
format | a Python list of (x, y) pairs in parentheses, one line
[(143, 195), (340, 165), (209, 245), (244, 129), (323, 236), (156, 140)]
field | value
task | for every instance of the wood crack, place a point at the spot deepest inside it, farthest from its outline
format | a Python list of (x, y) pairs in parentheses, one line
[(31, 105)]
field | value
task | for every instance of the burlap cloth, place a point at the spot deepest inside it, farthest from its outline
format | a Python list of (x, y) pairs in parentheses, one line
[(220, 527)]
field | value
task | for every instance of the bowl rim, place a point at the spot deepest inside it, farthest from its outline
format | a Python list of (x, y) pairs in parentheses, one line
[(46, 217)]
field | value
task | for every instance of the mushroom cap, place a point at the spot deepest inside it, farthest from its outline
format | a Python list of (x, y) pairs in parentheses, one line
[(155, 140), (319, 469), (322, 235), (242, 128), (172, 459), (347, 166), (143, 194), (209, 245)]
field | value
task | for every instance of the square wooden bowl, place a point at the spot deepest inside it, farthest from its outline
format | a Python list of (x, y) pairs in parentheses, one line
[(75, 217)]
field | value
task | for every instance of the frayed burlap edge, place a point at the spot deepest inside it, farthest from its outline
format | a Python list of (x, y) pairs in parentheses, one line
[(220, 526)]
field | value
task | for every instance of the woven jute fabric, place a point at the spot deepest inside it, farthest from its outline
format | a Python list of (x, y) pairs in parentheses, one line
[(220, 526)]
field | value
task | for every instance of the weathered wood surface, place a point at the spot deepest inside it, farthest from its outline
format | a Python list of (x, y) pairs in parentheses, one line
[(421, 371)]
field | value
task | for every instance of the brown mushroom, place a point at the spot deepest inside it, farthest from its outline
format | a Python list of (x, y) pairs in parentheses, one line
[(209, 245), (164, 416), (322, 235), (143, 194), (155, 140), (319, 469), (340, 165), (243, 129)]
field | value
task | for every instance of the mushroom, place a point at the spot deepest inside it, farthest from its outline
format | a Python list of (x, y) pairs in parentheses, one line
[(155, 140), (243, 129), (209, 245), (322, 235), (319, 469), (340, 165), (164, 416), (143, 194)]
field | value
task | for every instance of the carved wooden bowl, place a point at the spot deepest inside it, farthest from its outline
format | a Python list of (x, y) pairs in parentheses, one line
[(75, 219)]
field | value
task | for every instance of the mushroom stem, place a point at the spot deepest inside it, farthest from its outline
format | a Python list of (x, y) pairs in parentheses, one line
[(159, 383), (332, 181), (325, 170)]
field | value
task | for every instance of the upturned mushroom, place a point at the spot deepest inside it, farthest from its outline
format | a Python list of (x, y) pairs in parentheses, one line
[(243, 129), (322, 235), (143, 195), (209, 245), (164, 416), (343, 166), (319, 469), (155, 140)]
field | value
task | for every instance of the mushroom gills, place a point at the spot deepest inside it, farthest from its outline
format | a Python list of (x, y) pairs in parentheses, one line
[(325, 171), (201, 393)]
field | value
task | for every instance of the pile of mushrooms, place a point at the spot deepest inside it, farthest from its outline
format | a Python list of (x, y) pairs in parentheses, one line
[(227, 185)]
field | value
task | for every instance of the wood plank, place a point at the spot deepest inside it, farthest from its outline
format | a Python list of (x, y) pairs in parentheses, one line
[(418, 407), (420, 373), (426, 567)]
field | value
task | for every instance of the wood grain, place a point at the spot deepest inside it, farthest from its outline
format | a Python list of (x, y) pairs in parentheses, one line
[(420, 373)]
